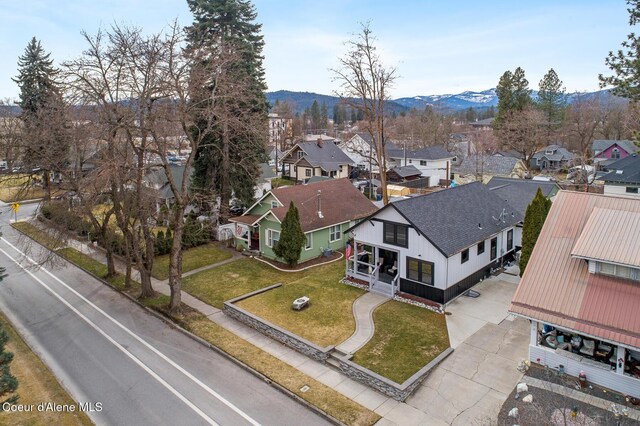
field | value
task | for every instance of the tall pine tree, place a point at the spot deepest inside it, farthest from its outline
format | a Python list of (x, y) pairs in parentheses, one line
[(292, 239), (552, 99), (534, 218), (228, 162), (43, 112)]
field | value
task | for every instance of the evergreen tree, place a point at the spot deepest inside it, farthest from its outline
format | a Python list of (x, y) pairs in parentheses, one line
[(42, 113), (228, 162), (552, 99), (521, 91), (292, 239), (316, 117), (625, 63), (513, 94), (533, 220), (8, 383), (324, 118)]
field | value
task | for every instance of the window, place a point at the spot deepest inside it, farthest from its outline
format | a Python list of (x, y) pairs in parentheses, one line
[(274, 204), (631, 190), (480, 247), (300, 154), (464, 257), (423, 162), (420, 271), (272, 237), (335, 233), (510, 240), (396, 234), (307, 172), (309, 242), (494, 248), (615, 153), (619, 271)]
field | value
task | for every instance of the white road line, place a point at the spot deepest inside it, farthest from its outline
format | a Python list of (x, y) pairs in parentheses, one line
[(138, 338), (116, 344)]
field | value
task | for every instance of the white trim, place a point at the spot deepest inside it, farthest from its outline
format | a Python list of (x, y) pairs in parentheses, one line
[(341, 233), (269, 237), (260, 200), (595, 259), (310, 234)]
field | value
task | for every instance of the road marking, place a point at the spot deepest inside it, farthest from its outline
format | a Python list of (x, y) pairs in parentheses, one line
[(116, 344), (126, 330)]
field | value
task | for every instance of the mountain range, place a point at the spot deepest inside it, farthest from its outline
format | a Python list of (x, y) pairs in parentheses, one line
[(443, 103)]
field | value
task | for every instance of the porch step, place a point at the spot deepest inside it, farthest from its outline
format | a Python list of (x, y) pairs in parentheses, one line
[(339, 352), (333, 362)]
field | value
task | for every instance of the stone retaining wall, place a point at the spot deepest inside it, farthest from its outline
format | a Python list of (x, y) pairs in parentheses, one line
[(293, 341), (399, 392)]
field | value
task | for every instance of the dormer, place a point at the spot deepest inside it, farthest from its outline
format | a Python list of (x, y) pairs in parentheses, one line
[(608, 242), (550, 150)]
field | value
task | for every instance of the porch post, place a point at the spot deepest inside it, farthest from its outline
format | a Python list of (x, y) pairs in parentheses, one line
[(533, 340), (621, 355)]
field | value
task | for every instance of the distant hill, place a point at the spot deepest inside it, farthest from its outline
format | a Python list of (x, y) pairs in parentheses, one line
[(304, 100), (443, 103)]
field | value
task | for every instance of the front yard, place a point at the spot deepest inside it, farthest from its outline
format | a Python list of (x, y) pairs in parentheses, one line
[(328, 320), (193, 258), (406, 338)]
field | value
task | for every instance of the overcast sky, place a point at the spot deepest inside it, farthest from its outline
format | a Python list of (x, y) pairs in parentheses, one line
[(438, 46)]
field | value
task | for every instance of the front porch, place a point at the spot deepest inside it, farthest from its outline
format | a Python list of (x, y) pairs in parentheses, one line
[(605, 363), (246, 234), (377, 266)]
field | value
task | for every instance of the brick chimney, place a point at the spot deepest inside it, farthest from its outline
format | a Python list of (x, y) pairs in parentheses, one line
[(319, 142)]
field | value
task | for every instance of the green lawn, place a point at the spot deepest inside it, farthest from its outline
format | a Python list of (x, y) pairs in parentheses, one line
[(406, 338), (193, 258), (37, 235), (278, 182), (328, 320)]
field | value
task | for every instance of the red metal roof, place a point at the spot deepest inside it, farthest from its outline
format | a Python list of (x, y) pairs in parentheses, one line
[(557, 287)]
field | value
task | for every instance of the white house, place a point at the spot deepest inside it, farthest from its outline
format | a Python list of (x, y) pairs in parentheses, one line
[(434, 246), (624, 177), (433, 162)]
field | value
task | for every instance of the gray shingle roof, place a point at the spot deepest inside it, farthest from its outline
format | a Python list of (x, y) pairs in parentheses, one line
[(266, 172), (450, 218), (404, 171), (486, 164), (602, 145), (630, 172), (427, 153), (559, 153), (328, 156), (621, 163), (519, 192)]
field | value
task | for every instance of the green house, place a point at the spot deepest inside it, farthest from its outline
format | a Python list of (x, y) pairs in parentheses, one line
[(326, 210)]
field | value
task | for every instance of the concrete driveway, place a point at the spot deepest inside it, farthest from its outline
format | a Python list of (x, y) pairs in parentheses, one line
[(470, 386)]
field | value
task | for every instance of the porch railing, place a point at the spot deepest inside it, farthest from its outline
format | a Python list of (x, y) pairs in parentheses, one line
[(394, 284), (373, 276)]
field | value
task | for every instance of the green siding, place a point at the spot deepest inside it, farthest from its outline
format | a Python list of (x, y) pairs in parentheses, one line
[(263, 206)]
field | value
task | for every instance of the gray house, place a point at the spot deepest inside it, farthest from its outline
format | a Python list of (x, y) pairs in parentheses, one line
[(552, 157)]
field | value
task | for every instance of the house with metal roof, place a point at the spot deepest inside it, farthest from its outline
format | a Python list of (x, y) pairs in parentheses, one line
[(315, 158), (581, 290), (608, 151), (435, 246), (326, 208), (552, 157), (624, 177)]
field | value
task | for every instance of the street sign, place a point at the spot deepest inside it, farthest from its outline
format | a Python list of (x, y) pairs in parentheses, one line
[(15, 207)]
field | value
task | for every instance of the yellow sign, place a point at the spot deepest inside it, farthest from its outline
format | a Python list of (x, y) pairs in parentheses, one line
[(15, 207)]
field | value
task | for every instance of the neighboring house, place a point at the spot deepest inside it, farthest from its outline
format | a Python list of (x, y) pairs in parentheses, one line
[(359, 149), (318, 158), (552, 157), (275, 156), (433, 162), (519, 193), (607, 151), (280, 128), (624, 177), (486, 124), (400, 174), (434, 246), (156, 178), (508, 153), (482, 168), (263, 184), (324, 138), (583, 280), (326, 210)]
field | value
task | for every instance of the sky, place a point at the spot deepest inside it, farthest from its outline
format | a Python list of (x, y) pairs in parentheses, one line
[(438, 47)]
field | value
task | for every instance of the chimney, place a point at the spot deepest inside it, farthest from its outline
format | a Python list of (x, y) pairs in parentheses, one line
[(320, 204), (319, 141)]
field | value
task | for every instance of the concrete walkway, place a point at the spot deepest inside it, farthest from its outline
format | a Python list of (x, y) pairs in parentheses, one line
[(363, 308)]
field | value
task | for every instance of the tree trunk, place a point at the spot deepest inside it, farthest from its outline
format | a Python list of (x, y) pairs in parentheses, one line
[(225, 193), (175, 261), (111, 264), (46, 182)]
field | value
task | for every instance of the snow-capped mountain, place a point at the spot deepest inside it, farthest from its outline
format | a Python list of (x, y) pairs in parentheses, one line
[(459, 101)]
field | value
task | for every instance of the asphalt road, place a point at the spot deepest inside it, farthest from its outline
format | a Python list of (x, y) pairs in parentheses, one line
[(105, 349)]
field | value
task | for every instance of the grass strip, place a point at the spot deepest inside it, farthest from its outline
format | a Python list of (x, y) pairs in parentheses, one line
[(193, 258), (36, 384)]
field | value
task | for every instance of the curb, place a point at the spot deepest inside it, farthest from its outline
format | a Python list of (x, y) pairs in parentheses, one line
[(203, 342)]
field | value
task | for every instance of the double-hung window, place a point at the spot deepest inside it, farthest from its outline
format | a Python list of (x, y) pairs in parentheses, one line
[(480, 247), (510, 240), (396, 234), (309, 242), (464, 256), (335, 233), (272, 237)]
